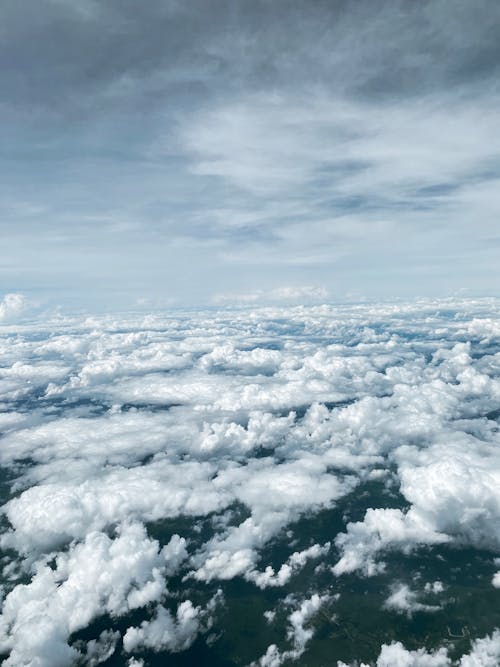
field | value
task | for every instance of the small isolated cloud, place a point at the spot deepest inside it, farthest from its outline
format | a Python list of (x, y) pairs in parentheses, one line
[(405, 601), (165, 631), (298, 634), (11, 306), (290, 294)]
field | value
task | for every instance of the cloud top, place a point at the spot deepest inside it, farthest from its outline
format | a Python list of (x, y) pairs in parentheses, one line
[(157, 463)]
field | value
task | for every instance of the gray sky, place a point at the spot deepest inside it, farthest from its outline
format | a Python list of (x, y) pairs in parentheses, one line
[(188, 152)]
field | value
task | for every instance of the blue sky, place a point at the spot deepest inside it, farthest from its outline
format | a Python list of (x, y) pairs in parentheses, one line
[(206, 152)]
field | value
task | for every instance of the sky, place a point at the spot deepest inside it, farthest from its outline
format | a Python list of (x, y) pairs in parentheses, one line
[(212, 151)]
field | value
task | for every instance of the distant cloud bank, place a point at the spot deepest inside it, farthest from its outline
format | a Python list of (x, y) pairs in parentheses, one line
[(277, 295)]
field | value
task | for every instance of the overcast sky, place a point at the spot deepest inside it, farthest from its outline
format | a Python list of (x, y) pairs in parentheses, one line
[(191, 151)]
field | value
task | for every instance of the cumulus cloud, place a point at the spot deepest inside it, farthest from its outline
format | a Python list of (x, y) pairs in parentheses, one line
[(164, 631), (298, 634), (11, 306), (172, 632), (395, 655), (100, 649), (296, 562), (148, 457), (275, 494), (95, 576), (404, 600), (485, 652), (379, 530)]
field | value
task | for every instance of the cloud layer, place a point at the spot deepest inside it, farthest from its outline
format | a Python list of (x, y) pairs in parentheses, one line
[(152, 460)]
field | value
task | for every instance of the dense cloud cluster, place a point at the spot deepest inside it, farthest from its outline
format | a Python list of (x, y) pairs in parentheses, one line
[(151, 462)]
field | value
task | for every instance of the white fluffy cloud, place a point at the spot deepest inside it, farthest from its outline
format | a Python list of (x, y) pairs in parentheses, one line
[(404, 600), (485, 652), (11, 306), (236, 425), (165, 631), (296, 562), (395, 655), (298, 633), (379, 530), (99, 575)]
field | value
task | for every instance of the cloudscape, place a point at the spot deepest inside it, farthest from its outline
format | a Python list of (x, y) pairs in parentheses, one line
[(250, 333), (164, 150)]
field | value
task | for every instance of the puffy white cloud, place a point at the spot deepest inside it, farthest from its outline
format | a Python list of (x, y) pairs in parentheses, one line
[(395, 655), (296, 562), (165, 631), (404, 600), (485, 652), (100, 649), (379, 530), (275, 494), (99, 575), (12, 305), (172, 632), (434, 587), (298, 634), (238, 424), (49, 515)]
